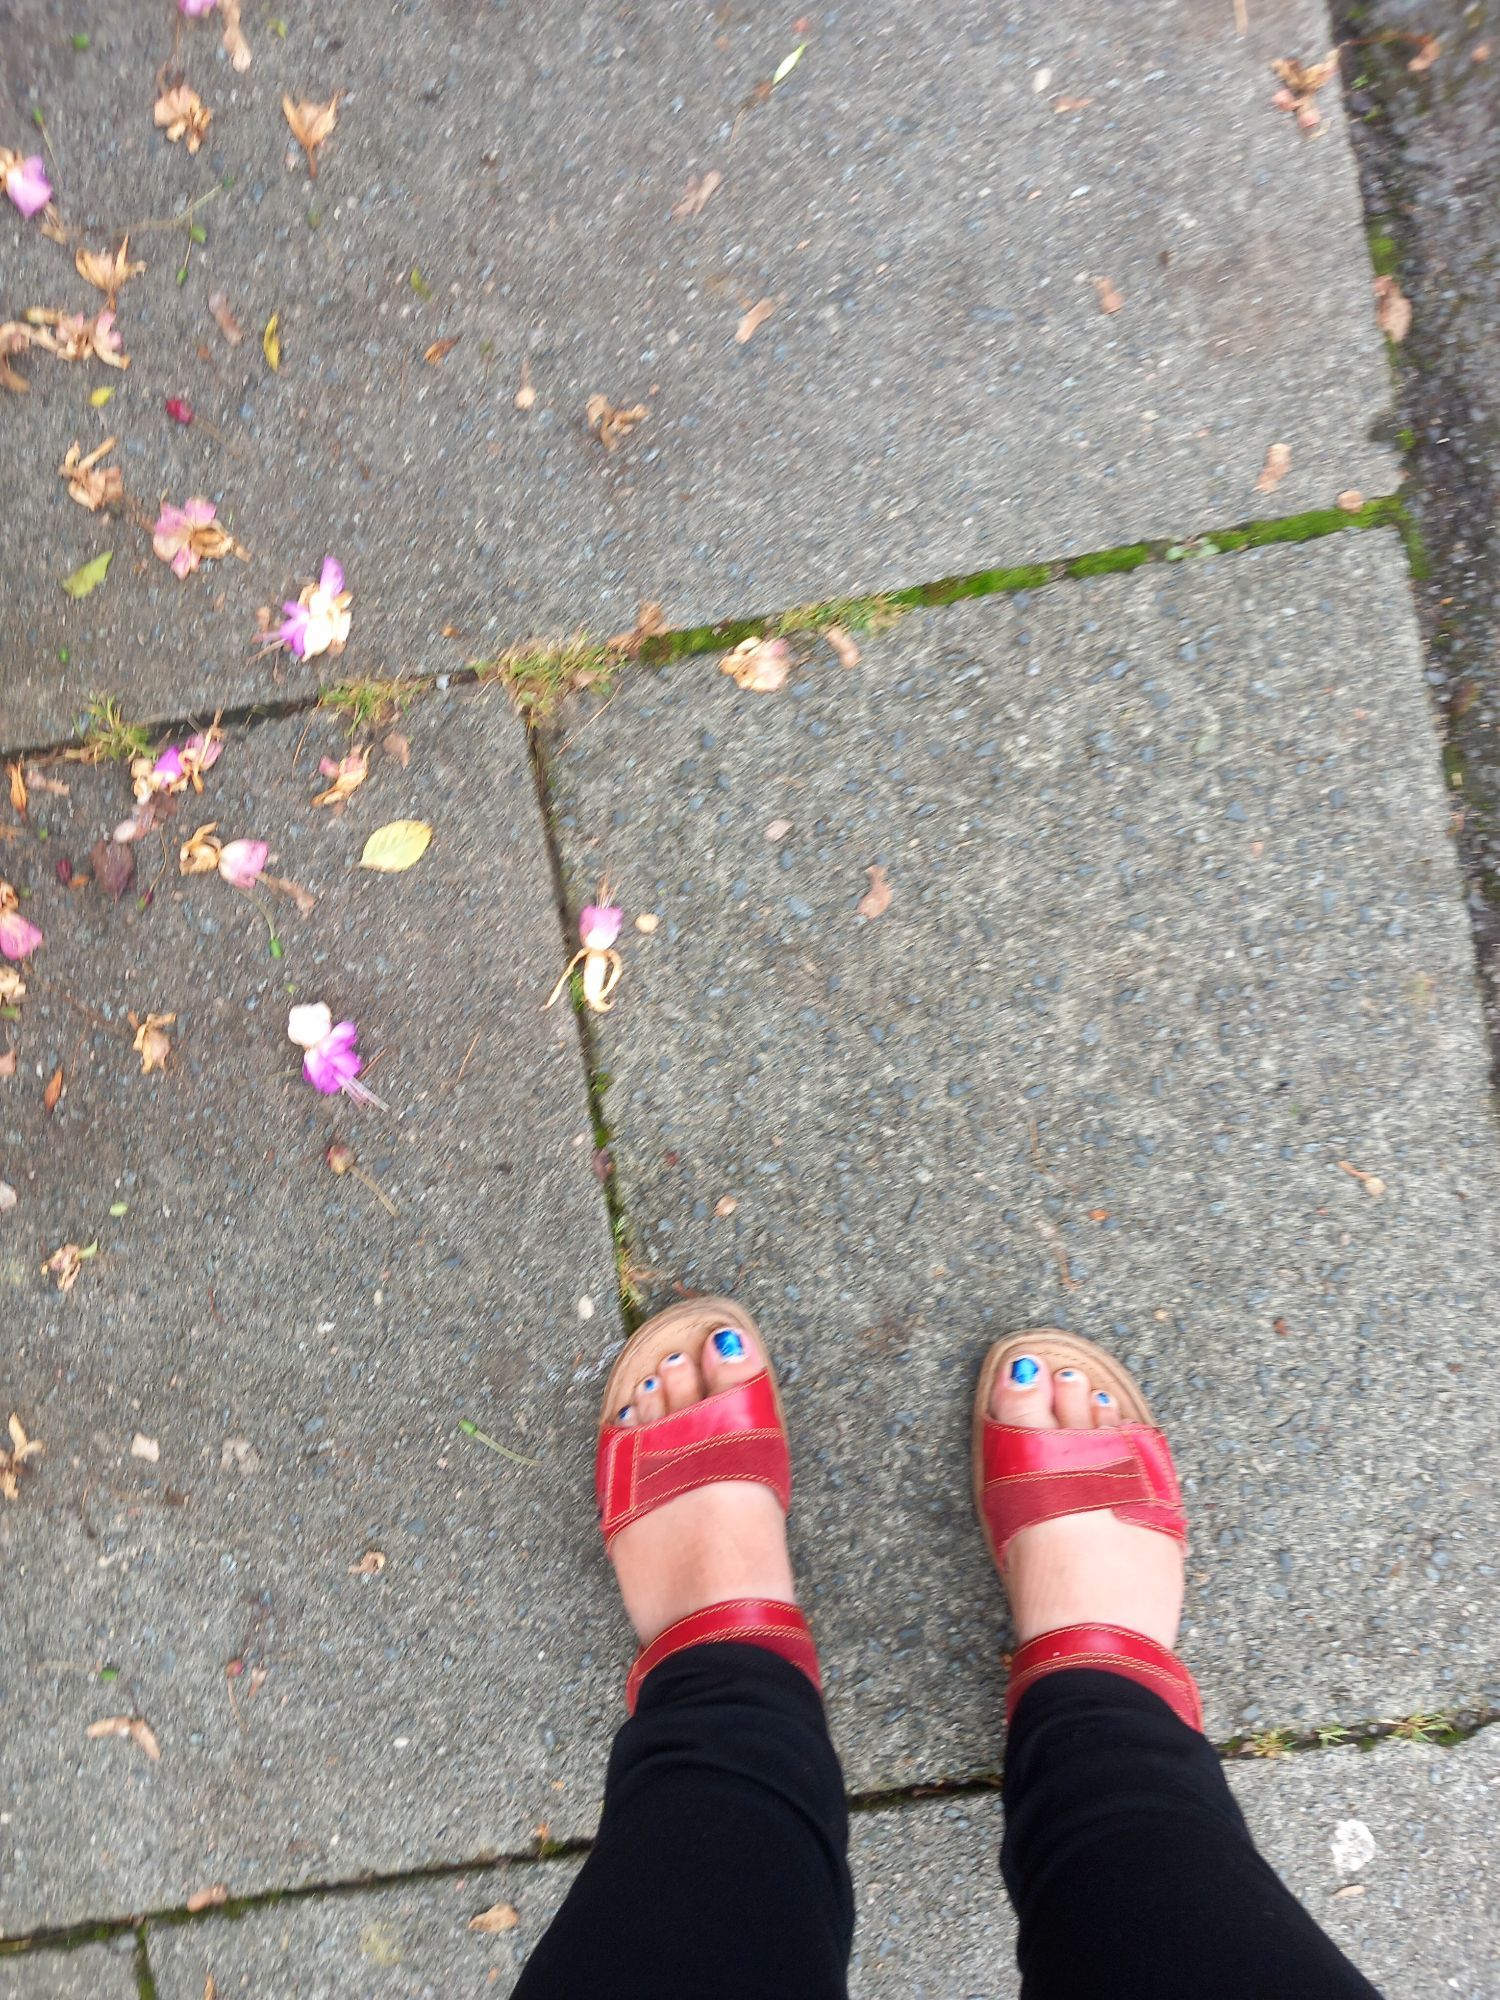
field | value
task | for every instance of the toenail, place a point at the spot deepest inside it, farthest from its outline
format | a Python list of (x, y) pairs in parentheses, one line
[(624, 1416), (671, 1360), (1023, 1371), (649, 1384), (1103, 1396), (728, 1345), (1067, 1374)]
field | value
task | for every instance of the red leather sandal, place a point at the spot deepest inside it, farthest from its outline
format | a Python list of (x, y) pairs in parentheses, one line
[(1024, 1476), (737, 1434)]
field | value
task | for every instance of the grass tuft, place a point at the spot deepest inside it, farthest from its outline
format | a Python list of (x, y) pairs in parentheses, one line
[(540, 674), (109, 738), (370, 703)]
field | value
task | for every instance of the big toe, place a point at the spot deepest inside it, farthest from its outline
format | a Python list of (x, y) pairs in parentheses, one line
[(730, 1356), (1022, 1392)]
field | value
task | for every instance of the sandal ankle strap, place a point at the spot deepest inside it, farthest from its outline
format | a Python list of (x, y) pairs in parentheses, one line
[(1110, 1649), (745, 1621)]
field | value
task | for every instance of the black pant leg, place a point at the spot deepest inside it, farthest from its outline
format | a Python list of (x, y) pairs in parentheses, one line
[(1131, 1867), (720, 1871)]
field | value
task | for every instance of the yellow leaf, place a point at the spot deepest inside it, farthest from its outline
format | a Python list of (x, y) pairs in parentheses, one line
[(392, 848), (99, 397), (270, 342)]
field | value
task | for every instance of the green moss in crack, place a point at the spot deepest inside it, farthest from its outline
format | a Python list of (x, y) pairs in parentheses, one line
[(540, 674), (1111, 562), (371, 703), (1383, 253)]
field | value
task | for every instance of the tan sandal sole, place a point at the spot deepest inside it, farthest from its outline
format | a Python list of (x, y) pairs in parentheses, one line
[(685, 1329), (1058, 1350)]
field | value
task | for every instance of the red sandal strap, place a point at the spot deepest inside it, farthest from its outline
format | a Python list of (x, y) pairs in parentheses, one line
[(1109, 1649), (1035, 1475), (744, 1621), (735, 1434)]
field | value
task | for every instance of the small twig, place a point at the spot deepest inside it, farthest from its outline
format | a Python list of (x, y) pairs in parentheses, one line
[(178, 221), (473, 1431), (1241, 18), (467, 1053)]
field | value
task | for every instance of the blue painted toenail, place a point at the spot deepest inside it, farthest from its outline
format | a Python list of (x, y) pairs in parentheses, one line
[(1100, 1396), (728, 1345), (649, 1384), (1067, 1374), (671, 1360), (1023, 1371), (623, 1415)]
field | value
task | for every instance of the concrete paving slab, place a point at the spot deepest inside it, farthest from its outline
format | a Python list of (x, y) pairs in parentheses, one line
[(294, 1359), (934, 1923), (1175, 953), (938, 389), (92, 1972)]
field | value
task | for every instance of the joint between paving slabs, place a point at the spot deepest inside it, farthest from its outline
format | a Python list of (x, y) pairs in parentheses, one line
[(1437, 1729), (539, 673)]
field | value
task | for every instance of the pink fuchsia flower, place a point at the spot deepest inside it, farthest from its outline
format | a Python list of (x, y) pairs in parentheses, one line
[(18, 939), (331, 1062), (26, 181), (168, 770), (318, 621), (241, 862), (599, 925), (194, 8), (177, 537)]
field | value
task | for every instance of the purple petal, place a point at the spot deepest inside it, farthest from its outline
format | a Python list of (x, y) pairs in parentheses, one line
[(169, 764), (599, 925), (292, 631), (241, 862), (28, 186), (17, 937), (332, 578)]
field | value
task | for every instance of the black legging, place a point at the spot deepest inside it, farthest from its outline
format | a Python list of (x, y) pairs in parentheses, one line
[(719, 1872)]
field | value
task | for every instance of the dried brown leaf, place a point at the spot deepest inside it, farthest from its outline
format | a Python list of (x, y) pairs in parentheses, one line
[(207, 1899), (1429, 48), (650, 623), (183, 115), (18, 794), (22, 1448), (1392, 309), (877, 898), (397, 747), (440, 350), (1110, 298), (228, 325), (113, 863), (14, 339), (760, 666), (371, 1563), (152, 1043), (67, 1261), (132, 1727), (696, 195), (91, 484), (498, 1917), (1278, 464), (311, 124), (845, 651), (235, 45), (106, 271), (753, 320), (610, 424), (1351, 500), (52, 1095)]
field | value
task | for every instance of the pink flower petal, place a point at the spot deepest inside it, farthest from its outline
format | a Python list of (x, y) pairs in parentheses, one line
[(292, 631), (599, 925), (185, 561), (332, 579), (241, 862), (28, 185), (169, 764), (17, 937), (205, 751), (199, 512), (194, 8)]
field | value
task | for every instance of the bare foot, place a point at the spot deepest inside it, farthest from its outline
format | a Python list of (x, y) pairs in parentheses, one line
[(1086, 1569), (724, 1540)]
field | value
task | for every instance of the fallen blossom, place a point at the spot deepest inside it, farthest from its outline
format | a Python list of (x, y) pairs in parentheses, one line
[(603, 968), (760, 666), (75, 337), (242, 862), (179, 411), (26, 181), (185, 536), (14, 339), (151, 1043), (66, 1264), (318, 621), (348, 774), (15, 1458), (1392, 309), (195, 8), (91, 484), (331, 1062), (18, 938), (107, 272), (311, 125), (845, 651), (611, 425), (182, 114), (132, 1727), (1300, 84)]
